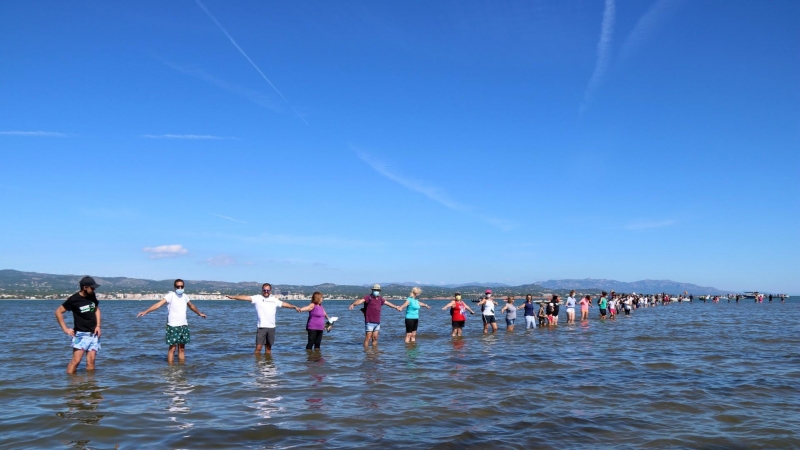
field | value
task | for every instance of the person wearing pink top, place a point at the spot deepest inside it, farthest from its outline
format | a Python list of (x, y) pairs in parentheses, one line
[(585, 303)]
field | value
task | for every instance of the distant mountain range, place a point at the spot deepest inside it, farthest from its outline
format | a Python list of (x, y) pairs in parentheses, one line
[(643, 286), (14, 283)]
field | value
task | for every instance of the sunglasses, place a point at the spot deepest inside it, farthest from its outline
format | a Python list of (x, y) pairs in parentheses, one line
[(266, 290), (178, 287)]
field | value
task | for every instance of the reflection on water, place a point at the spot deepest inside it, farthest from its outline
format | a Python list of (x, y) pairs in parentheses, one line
[(266, 381), (177, 389), (84, 395)]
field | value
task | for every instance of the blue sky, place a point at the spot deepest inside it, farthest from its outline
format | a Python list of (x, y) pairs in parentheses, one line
[(439, 142)]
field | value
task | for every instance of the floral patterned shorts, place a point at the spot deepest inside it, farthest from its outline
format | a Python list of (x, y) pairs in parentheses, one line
[(178, 335)]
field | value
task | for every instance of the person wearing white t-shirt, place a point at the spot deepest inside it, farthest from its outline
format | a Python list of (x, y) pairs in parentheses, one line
[(177, 325), (266, 306)]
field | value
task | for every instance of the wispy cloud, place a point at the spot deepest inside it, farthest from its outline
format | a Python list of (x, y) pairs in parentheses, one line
[(233, 41), (227, 218), (646, 225), (434, 193), (220, 261), (202, 137), (646, 27), (603, 53), (166, 251), (256, 97), (32, 133)]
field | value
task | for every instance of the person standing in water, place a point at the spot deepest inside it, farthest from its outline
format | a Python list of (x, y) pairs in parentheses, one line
[(317, 317), (372, 313), (586, 303), (266, 307), (457, 314), (487, 308), (85, 331), (177, 326), (555, 302), (530, 312), (602, 304), (511, 313), (412, 314), (570, 304)]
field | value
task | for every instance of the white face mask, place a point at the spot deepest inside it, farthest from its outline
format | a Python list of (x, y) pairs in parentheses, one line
[(179, 291), (376, 293)]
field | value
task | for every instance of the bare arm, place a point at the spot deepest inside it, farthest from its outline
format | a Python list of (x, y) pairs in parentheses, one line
[(400, 308), (289, 305), (308, 308), (391, 305), (449, 305), (245, 298), (60, 318), (425, 305), (356, 303), (194, 308), (158, 304), (468, 308), (97, 328)]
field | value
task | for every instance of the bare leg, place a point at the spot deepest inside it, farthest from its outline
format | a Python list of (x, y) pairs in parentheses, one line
[(494, 327), (408, 338), (90, 360), (171, 353), (375, 338), (367, 338), (77, 355), (181, 352), (413, 336), (258, 349)]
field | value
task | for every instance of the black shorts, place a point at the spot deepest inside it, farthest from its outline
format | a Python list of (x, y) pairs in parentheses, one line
[(265, 336), (459, 323), (489, 319), (411, 325), (602, 312)]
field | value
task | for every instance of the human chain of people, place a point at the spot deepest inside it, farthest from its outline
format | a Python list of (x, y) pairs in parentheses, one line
[(86, 330)]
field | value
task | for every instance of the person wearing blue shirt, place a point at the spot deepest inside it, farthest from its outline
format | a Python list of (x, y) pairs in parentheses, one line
[(412, 306)]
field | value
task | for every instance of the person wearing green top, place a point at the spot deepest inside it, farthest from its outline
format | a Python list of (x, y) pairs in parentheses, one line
[(603, 304), (412, 314)]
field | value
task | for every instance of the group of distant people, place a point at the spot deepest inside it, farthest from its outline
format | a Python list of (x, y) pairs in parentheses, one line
[(86, 330)]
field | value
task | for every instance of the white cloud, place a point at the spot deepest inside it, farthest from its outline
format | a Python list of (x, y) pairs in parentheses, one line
[(603, 53), (184, 136), (434, 193), (220, 261), (227, 218), (646, 225), (166, 251), (230, 38), (32, 133)]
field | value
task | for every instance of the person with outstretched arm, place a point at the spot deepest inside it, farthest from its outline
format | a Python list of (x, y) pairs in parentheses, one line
[(372, 313), (266, 305), (177, 334)]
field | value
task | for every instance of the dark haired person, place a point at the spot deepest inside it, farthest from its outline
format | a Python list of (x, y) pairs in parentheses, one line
[(602, 304), (372, 313), (177, 326), (85, 331), (458, 316), (266, 306), (530, 312)]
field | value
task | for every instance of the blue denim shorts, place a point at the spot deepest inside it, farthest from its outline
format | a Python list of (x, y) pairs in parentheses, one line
[(86, 341), (372, 326), (510, 321)]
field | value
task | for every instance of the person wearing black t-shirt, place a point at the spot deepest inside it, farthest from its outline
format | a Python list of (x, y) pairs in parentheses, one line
[(85, 331)]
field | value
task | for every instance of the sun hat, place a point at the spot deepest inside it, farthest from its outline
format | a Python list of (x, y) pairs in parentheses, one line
[(376, 287)]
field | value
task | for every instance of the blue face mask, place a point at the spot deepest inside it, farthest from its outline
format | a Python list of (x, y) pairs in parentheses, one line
[(376, 293), (179, 291)]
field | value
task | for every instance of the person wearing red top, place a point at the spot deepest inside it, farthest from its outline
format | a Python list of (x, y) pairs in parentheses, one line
[(457, 310)]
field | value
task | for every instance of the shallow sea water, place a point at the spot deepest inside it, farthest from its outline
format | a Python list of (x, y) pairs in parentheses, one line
[(681, 376)]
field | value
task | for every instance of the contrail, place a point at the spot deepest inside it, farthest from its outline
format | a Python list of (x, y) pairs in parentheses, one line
[(645, 27), (603, 50), (219, 25)]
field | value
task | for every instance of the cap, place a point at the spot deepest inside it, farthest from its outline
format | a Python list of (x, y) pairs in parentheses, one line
[(376, 287), (89, 281), (488, 291)]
